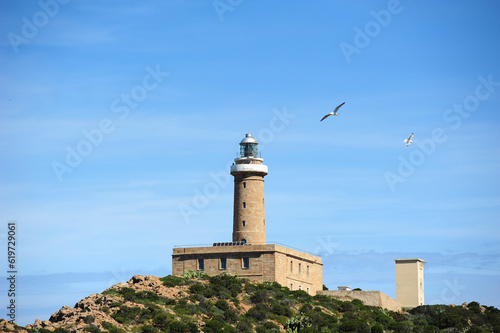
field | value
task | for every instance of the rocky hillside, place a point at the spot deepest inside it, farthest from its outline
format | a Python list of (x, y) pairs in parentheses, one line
[(224, 303)]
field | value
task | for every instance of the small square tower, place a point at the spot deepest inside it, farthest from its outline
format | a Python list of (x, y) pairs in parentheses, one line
[(410, 282)]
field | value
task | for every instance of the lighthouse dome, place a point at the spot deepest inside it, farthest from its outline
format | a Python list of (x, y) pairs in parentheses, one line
[(248, 139)]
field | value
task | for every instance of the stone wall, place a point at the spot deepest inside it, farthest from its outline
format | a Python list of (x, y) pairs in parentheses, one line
[(371, 298), (249, 218), (267, 263)]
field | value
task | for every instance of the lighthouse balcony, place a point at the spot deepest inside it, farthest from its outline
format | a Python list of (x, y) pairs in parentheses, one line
[(260, 168)]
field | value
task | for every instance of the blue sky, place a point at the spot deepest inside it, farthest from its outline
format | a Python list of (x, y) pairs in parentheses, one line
[(119, 120)]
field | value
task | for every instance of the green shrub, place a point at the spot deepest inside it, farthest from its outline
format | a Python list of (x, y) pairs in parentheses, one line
[(288, 302), (147, 296), (260, 296), (149, 329), (180, 327), (320, 319), (115, 304), (300, 296), (474, 307), (431, 329), (110, 292), (183, 307), (279, 319), (401, 326), (476, 329), (173, 281), (347, 306), (127, 293), (196, 288), (128, 315), (160, 319), (355, 325), (217, 324), (328, 302), (111, 328), (92, 329), (143, 297), (39, 330), (305, 308), (267, 327), (222, 304), (244, 326), (383, 319), (377, 328), (453, 320), (197, 298), (231, 316), (259, 312), (60, 330), (207, 307), (224, 286), (168, 301), (281, 310), (322, 298), (89, 319), (357, 303)]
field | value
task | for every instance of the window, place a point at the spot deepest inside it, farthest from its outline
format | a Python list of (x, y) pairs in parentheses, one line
[(291, 286), (244, 241), (223, 263), (244, 185), (308, 290), (300, 287), (291, 266), (245, 263), (244, 205), (201, 264), (300, 268), (243, 223), (307, 270)]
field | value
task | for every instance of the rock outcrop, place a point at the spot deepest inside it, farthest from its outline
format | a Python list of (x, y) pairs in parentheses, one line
[(95, 309)]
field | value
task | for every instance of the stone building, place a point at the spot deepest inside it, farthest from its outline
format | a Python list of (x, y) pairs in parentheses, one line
[(248, 255)]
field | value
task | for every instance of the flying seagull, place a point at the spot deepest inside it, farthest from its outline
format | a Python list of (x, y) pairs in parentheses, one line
[(409, 140), (333, 113)]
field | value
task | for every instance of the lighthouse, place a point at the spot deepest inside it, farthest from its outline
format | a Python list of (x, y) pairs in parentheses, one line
[(249, 255), (249, 218)]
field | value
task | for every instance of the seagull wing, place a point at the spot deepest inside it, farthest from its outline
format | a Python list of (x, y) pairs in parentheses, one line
[(408, 141), (337, 108), (326, 116)]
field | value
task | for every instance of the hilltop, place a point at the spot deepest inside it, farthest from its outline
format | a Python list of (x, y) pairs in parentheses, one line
[(225, 303)]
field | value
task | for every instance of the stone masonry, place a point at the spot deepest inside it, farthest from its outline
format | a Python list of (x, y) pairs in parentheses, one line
[(369, 297), (248, 256), (266, 263)]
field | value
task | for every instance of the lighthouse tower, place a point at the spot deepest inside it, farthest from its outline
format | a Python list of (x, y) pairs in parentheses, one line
[(248, 255), (249, 220)]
